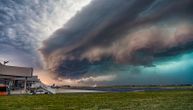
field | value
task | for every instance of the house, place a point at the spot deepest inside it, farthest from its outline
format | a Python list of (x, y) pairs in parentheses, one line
[(17, 78)]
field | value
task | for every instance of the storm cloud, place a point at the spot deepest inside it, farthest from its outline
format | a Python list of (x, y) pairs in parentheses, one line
[(109, 35), (90, 42), (24, 24)]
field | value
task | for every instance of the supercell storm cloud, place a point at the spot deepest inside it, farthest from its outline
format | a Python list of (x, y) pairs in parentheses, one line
[(107, 34), (105, 41)]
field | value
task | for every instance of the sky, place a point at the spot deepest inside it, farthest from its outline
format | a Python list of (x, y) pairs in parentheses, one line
[(100, 42)]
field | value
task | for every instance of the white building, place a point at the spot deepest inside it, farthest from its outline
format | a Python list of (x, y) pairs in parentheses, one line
[(17, 78)]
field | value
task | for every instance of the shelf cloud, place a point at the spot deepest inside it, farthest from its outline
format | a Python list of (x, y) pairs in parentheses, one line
[(108, 34), (100, 41)]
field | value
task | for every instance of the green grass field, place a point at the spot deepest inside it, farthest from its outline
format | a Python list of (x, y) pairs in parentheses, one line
[(162, 100)]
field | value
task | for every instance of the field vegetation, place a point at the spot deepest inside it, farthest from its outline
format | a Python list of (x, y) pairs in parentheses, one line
[(157, 100)]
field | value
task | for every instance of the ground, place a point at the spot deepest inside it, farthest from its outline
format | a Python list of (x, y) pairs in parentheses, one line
[(157, 100)]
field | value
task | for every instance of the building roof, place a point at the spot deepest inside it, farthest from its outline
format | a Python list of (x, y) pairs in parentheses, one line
[(33, 78), (15, 71)]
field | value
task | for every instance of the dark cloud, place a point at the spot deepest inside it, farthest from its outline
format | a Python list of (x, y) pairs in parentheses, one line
[(24, 24), (17, 34), (120, 32)]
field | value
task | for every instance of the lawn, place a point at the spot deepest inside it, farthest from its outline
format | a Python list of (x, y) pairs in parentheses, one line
[(162, 100)]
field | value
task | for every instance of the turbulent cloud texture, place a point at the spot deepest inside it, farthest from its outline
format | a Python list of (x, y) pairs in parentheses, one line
[(24, 24), (100, 41), (109, 36)]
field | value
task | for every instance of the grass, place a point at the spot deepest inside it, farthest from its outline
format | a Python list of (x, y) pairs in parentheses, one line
[(160, 100)]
